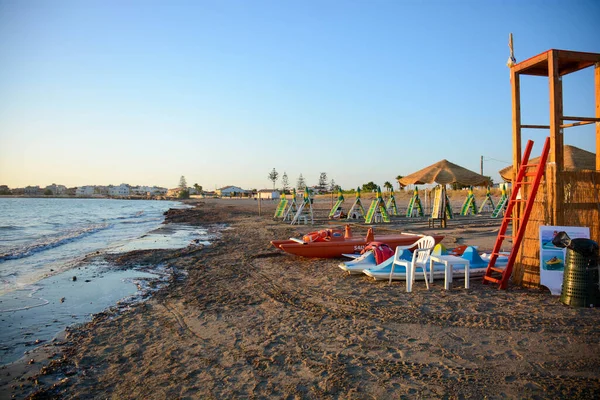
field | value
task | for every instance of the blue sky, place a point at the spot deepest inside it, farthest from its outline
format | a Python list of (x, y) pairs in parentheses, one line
[(222, 92)]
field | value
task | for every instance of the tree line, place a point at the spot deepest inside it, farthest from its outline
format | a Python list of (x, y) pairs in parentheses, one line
[(323, 183)]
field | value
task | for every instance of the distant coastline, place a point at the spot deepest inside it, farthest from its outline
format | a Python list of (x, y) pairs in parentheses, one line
[(22, 196)]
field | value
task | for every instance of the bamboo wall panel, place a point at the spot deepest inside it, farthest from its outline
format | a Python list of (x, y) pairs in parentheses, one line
[(526, 270), (581, 208)]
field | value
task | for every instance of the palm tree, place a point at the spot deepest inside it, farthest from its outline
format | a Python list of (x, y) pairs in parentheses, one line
[(388, 186), (398, 180)]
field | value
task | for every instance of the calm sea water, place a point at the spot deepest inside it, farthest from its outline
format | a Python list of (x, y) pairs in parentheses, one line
[(43, 244), (41, 237)]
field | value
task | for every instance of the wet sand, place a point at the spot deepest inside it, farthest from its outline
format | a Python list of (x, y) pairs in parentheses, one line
[(242, 319)]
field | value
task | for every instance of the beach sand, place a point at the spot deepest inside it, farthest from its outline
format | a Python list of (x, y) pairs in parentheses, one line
[(242, 319)]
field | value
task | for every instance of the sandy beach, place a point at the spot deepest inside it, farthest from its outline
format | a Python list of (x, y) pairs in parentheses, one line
[(241, 319)]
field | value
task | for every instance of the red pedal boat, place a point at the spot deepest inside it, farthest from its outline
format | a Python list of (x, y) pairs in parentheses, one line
[(330, 243)]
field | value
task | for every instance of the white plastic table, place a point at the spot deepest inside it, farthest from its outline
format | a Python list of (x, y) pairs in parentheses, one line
[(449, 261)]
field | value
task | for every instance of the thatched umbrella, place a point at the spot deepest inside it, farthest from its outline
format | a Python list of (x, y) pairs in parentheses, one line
[(444, 172), (574, 158)]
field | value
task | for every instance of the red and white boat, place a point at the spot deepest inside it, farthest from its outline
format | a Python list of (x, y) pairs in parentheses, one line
[(330, 243)]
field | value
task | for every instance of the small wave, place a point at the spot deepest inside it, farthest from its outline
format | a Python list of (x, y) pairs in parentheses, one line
[(142, 221), (138, 214), (10, 228), (51, 242), (43, 303)]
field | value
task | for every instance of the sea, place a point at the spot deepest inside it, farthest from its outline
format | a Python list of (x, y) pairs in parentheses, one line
[(48, 283)]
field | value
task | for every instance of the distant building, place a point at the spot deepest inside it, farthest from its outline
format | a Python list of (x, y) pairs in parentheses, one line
[(56, 190), (173, 192), (140, 190), (33, 191), (85, 190), (147, 190), (229, 191), (317, 190), (101, 190), (157, 191), (119, 191), (268, 194)]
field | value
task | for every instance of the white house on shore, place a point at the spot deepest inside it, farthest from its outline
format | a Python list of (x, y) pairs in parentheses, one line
[(228, 191), (268, 194), (33, 191), (56, 189), (119, 191), (148, 190), (85, 190)]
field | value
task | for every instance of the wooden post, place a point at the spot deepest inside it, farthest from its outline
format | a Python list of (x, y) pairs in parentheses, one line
[(516, 133), (258, 193), (481, 166), (554, 176), (597, 92)]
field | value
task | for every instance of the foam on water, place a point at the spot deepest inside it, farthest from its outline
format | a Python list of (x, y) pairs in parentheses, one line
[(49, 241)]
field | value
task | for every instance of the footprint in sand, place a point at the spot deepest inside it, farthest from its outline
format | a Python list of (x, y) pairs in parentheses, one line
[(513, 355)]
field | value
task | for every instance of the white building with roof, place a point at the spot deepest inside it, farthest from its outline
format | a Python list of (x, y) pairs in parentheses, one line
[(57, 189), (228, 191), (119, 191), (268, 194), (87, 190)]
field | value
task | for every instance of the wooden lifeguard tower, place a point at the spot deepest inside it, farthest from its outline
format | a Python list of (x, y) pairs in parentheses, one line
[(565, 197)]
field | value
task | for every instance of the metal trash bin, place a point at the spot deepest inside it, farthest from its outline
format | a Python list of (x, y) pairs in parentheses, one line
[(581, 278)]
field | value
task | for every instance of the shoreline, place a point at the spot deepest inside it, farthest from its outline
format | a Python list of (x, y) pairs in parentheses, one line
[(33, 313), (250, 320)]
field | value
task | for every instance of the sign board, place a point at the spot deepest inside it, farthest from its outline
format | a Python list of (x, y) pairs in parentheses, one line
[(552, 258)]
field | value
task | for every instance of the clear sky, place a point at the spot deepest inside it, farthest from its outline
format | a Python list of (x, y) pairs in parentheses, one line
[(223, 91)]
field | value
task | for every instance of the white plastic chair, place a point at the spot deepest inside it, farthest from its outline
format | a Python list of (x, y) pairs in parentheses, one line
[(420, 259)]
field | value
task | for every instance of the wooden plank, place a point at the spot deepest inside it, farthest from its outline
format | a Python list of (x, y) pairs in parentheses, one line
[(515, 81), (597, 84), (572, 61), (530, 62), (556, 195), (569, 61), (574, 67), (536, 72), (580, 56), (590, 119), (536, 126), (576, 124)]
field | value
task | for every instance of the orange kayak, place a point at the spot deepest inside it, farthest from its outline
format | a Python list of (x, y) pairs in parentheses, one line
[(330, 243)]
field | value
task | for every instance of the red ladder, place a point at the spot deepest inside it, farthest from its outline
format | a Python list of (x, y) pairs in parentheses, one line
[(524, 172)]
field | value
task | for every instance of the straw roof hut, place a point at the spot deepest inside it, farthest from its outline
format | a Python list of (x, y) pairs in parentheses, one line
[(574, 159), (444, 172)]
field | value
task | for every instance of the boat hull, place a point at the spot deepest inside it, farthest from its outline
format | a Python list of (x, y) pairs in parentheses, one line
[(332, 249), (458, 272)]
